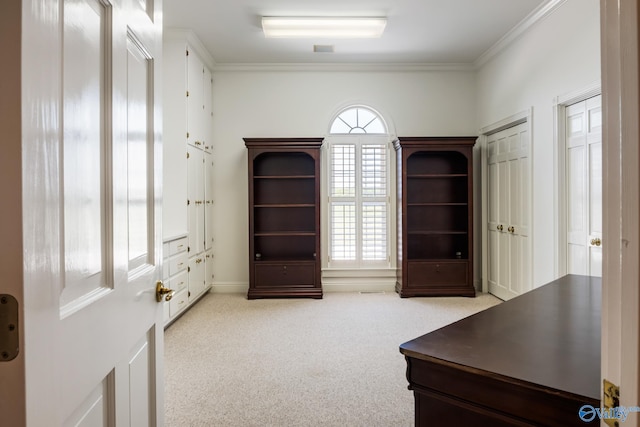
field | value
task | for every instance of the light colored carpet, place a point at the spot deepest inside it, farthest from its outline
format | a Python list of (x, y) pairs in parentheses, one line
[(299, 362)]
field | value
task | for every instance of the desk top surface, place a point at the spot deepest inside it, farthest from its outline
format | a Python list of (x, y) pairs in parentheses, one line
[(549, 336)]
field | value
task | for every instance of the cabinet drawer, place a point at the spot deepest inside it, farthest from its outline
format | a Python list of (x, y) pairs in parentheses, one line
[(179, 282), (437, 273), (178, 302), (285, 275), (177, 246), (178, 263)]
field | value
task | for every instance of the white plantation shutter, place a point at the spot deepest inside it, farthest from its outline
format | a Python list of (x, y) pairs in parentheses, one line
[(343, 226), (343, 202), (374, 202), (374, 170), (358, 202), (374, 231), (343, 170)]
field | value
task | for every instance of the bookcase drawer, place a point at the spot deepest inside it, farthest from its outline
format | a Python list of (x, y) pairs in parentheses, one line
[(285, 274), (436, 273)]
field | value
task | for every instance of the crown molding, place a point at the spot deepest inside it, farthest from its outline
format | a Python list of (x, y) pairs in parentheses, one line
[(522, 27), (340, 67)]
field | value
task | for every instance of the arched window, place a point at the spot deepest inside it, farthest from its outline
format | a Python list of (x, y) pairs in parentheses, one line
[(358, 120), (358, 190)]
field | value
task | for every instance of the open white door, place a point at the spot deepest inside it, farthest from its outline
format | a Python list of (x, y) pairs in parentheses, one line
[(91, 333), (584, 187)]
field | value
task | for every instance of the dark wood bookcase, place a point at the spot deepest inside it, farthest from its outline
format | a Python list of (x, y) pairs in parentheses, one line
[(435, 216), (284, 217)]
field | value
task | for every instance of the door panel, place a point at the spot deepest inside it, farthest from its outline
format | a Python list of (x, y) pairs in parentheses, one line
[(85, 261), (141, 389), (94, 411), (140, 151)]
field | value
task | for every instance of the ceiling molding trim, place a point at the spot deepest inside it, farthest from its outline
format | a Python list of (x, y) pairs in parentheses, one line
[(188, 36), (369, 67), (522, 27)]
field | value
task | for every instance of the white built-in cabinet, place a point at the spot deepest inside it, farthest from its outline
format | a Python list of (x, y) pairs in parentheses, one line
[(188, 167)]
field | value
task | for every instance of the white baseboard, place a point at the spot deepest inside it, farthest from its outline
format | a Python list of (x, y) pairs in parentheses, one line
[(359, 287), (369, 286), (230, 288)]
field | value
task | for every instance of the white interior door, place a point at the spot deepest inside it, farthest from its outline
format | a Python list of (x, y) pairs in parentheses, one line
[(584, 187), (508, 186), (92, 329)]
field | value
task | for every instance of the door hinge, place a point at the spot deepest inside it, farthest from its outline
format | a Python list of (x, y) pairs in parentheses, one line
[(187, 52), (188, 155), (610, 400), (187, 135), (9, 336), (187, 94)]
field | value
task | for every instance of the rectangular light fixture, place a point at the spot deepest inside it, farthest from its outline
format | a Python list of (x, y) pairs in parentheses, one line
[(322, 27)]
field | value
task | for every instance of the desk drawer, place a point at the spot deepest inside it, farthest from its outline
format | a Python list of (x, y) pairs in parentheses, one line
[(286, 274)]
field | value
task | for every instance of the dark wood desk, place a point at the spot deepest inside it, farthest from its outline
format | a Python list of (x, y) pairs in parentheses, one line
[(533, 360)]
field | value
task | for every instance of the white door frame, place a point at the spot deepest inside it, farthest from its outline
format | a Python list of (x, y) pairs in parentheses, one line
[(513, 120), (12, 405), (560, 104), (620, 341)]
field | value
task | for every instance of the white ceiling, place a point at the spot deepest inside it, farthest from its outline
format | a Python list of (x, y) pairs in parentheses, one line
[(418, 31)]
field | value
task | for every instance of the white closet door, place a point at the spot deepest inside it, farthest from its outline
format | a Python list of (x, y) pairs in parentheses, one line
[(508, 212), (195, 100), (208, 206), (584, 187), (195, 207)]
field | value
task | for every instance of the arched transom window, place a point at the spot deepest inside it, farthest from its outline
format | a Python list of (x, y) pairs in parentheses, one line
[(358, 184), (358, 120)]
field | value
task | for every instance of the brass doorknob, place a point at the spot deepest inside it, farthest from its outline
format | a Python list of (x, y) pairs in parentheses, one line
[(499, 227), (596, 241), (162, 292), (511, 229)]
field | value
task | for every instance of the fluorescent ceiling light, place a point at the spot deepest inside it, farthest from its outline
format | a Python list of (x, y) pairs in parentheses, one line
[(322, 27)]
